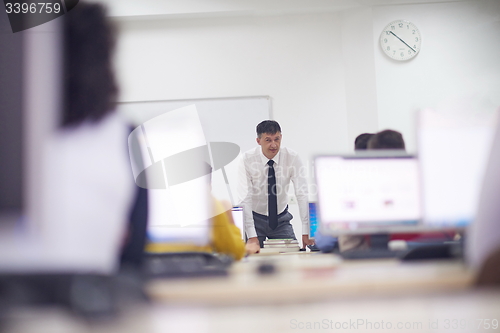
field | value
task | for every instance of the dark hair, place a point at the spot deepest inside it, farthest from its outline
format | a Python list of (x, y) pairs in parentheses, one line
[(387, 139), (90, 90), (361, 141), (268, 126)]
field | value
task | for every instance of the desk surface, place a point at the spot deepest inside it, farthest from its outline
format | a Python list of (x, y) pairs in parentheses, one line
[(309, 293), (314, 277)]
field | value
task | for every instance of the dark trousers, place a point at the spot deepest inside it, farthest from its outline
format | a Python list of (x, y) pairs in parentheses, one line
[(283, 230)]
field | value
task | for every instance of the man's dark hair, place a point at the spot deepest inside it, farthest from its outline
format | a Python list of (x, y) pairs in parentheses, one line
[(361, 141), (387, 139), (90, 90), (268, 126)]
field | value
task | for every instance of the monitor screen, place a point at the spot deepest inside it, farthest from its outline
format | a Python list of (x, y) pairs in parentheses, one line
[(368, 193), (165, 150), (237, 213), (168, 221), (313, 219), (453, 153)]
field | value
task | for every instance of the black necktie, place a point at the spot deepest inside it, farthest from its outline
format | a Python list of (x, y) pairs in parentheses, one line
[(272, 201)]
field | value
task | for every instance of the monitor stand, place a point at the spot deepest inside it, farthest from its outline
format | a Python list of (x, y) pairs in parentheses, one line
[(445, 249), (379, 248), (379, 242), (432, 249)]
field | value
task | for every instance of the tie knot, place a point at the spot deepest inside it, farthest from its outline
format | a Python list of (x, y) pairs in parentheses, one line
[(270, 163)]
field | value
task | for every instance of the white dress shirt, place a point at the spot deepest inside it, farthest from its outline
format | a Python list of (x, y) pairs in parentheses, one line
[(88, 194), (253, 185)]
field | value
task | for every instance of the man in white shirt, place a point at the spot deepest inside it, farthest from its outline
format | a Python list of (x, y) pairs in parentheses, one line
[(268, 171)]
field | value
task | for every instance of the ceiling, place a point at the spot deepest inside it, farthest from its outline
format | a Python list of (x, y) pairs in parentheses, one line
[(200, 8)]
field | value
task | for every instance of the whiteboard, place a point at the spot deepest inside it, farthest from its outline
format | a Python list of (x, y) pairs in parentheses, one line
[(223, 120)]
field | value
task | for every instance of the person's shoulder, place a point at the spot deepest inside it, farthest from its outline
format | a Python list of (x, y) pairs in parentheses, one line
[(289, 153), (290, 157), (251, 152)]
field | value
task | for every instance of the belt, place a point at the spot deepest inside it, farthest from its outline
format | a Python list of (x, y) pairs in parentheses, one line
[(279, 215)]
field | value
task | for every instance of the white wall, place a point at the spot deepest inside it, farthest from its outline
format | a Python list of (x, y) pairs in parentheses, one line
[(325, 72), (359, 67), (294, 59), (459, 59)]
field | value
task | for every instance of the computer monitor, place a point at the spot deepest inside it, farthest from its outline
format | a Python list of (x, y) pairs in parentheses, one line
[(453, 152), (167, 223), (167, 160), (373, 192), (313, 220), (237, 213)]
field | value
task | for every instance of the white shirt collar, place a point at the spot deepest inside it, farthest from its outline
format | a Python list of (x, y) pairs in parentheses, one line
[(264, 159)]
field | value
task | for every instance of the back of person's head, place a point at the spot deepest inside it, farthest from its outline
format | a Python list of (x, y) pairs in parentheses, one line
[(361, 141), (268, 126), (90, 90), (387, 139)]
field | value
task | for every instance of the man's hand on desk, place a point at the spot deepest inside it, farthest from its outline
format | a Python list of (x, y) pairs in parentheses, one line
[(253, 245), (306, 241)]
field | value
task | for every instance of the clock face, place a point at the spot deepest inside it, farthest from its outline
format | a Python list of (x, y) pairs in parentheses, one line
[(400, 40)]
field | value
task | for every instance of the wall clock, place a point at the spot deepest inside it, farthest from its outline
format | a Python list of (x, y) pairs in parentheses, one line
[(401, 40)]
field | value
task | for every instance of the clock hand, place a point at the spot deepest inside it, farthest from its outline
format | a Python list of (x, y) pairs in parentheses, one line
[(403, 41)]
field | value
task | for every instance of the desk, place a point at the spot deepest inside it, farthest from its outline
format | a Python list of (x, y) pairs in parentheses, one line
[(314, 277), (309, 293)]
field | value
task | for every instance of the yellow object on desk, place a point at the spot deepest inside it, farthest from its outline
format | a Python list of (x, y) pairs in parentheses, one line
[(225, 238)]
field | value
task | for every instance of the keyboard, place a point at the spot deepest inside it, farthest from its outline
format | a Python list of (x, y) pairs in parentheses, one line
[(184, 264), (422, 251)]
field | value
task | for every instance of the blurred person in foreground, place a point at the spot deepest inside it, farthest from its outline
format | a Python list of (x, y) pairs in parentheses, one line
[(89, 188)]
